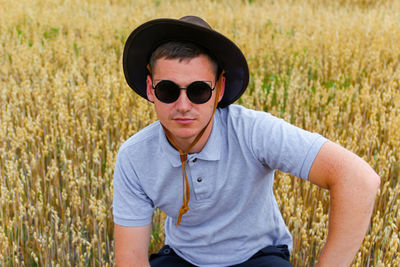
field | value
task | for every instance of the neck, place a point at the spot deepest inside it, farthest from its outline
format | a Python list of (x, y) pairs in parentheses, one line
[(184, 144)]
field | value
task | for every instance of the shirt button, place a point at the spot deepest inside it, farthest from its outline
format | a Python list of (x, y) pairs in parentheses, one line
[(199, 179), (194, 160)]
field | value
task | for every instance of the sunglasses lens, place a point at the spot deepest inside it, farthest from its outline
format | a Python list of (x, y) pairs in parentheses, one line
[(199, 92), (167, 91)]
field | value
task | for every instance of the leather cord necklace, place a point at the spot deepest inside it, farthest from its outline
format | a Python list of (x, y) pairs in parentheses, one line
[(183, 155)]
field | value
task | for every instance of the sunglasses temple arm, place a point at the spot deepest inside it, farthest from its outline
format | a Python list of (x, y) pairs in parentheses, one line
[(219, 85)]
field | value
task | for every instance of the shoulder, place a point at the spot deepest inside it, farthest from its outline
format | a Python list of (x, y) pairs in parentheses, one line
[(244, 119), (142, 140), (240, 113), (234, 110)]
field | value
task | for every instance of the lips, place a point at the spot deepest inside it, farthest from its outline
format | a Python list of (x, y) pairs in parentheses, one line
[(183, 120)]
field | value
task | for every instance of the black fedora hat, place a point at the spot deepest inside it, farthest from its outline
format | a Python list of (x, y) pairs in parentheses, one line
[(148, 36)]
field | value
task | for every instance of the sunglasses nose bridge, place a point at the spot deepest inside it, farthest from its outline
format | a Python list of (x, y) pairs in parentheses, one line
[(183, 101)]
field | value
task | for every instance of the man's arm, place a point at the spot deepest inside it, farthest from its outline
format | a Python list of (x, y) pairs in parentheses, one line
[(131, 245), (353, 185)]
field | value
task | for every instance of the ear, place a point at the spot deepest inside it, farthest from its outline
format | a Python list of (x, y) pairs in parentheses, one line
[(149, 89), (221, 93)]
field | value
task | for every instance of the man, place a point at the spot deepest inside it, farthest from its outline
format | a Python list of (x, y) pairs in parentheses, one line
[(211, 169)]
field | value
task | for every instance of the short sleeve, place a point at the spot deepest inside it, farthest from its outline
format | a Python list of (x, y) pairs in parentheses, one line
[(283, 146), (131, 205)]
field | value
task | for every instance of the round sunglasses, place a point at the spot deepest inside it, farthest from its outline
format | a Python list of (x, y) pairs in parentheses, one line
[(198, 92)]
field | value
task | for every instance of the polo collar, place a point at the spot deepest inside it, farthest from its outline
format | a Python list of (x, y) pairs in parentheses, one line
[(211, 150)]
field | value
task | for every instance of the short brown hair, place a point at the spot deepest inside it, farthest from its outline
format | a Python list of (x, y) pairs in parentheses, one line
[(181, 51)]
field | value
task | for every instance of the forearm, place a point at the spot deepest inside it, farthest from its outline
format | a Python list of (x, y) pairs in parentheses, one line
[(351, 205)]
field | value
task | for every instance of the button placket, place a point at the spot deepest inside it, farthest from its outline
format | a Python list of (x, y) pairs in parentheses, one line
[(197, 178)]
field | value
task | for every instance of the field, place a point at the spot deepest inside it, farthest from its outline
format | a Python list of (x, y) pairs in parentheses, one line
[(331, 67)]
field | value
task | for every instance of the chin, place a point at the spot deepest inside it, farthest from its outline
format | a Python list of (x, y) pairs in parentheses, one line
[(186, 134)]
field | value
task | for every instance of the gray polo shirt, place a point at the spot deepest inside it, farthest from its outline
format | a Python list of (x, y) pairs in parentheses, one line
[(233, 212)]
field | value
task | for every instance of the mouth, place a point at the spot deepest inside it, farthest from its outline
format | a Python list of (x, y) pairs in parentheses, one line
[(183, 121)]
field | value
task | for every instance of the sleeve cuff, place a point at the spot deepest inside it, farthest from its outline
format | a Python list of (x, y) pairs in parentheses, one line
[(311, 155)]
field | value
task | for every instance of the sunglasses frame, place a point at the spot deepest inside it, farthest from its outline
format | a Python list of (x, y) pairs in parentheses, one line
[(183, 88)]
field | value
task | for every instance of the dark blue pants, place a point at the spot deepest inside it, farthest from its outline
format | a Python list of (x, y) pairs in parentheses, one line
[(275, 256)]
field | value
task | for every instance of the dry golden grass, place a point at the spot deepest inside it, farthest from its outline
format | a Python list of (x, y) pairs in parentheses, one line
[(327, 66)]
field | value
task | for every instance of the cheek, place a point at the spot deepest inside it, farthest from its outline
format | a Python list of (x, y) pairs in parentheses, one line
[(162, 111), (206, 111)]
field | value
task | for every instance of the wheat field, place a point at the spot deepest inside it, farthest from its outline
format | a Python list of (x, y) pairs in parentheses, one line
[(330, 67)]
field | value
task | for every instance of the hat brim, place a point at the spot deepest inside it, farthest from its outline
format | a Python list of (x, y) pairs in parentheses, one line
[(147, 37)]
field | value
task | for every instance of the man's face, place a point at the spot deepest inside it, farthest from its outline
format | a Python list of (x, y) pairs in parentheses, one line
[(183, 118)]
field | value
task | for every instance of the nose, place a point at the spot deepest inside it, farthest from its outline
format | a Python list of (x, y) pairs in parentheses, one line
[(183, 104)]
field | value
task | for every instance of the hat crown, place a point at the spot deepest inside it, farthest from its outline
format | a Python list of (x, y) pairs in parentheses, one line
[(196, 20)]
